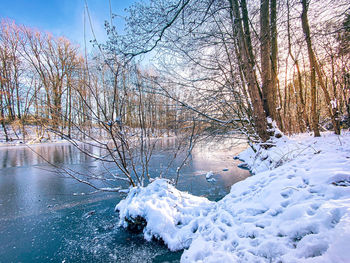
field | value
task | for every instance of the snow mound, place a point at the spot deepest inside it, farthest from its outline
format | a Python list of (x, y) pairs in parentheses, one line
[(209, 177), (298, 211), (209, 174), (171, 215)]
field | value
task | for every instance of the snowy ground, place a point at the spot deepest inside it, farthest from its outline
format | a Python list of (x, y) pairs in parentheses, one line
[(296, 208)]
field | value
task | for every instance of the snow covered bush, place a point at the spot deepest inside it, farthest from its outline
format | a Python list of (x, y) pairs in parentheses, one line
[(168, 214), (281, 150)]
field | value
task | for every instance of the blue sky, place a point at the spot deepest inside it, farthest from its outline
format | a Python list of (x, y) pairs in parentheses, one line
[(63, 17)]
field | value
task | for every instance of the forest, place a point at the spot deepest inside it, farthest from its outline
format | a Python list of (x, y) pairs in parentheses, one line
[(226, 65)]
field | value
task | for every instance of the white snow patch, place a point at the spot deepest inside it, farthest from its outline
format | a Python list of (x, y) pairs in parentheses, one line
[(211, 180), (296, 208), (209, 174)]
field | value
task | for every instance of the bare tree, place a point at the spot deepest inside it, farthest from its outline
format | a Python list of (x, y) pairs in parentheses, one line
[(315, 68)]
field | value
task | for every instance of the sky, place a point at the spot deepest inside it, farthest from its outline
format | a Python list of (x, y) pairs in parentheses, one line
[(64, 17)]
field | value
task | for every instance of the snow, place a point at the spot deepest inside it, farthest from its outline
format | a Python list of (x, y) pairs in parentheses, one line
[(295, 208), (209, 174), (171, 215), (334, 103)]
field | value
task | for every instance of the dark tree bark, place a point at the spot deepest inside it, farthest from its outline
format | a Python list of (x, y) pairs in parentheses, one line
[(2, 115), (274, 69), (315, 68), (245, 52), (306, 30), (265, 51)]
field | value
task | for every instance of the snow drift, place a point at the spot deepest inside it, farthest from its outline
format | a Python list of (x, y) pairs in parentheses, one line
[(171, 215), (296, 208)]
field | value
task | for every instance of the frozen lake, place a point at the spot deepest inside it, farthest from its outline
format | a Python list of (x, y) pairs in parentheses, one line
[(46, 217)]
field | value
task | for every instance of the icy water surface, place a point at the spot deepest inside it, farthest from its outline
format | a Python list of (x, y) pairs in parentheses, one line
[(46, 217)]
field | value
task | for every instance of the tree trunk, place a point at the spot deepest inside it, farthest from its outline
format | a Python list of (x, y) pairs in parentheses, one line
[(301, 107), (2, 116), (315, 67), (274, 69), (306, 30), (245, 50), (265, 51)]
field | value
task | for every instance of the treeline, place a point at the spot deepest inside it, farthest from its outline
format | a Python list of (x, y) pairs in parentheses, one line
[(247, 62), (46, 83), (223, 66)]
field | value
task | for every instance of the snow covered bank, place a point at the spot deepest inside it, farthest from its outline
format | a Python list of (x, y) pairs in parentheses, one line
[(296, 208)]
